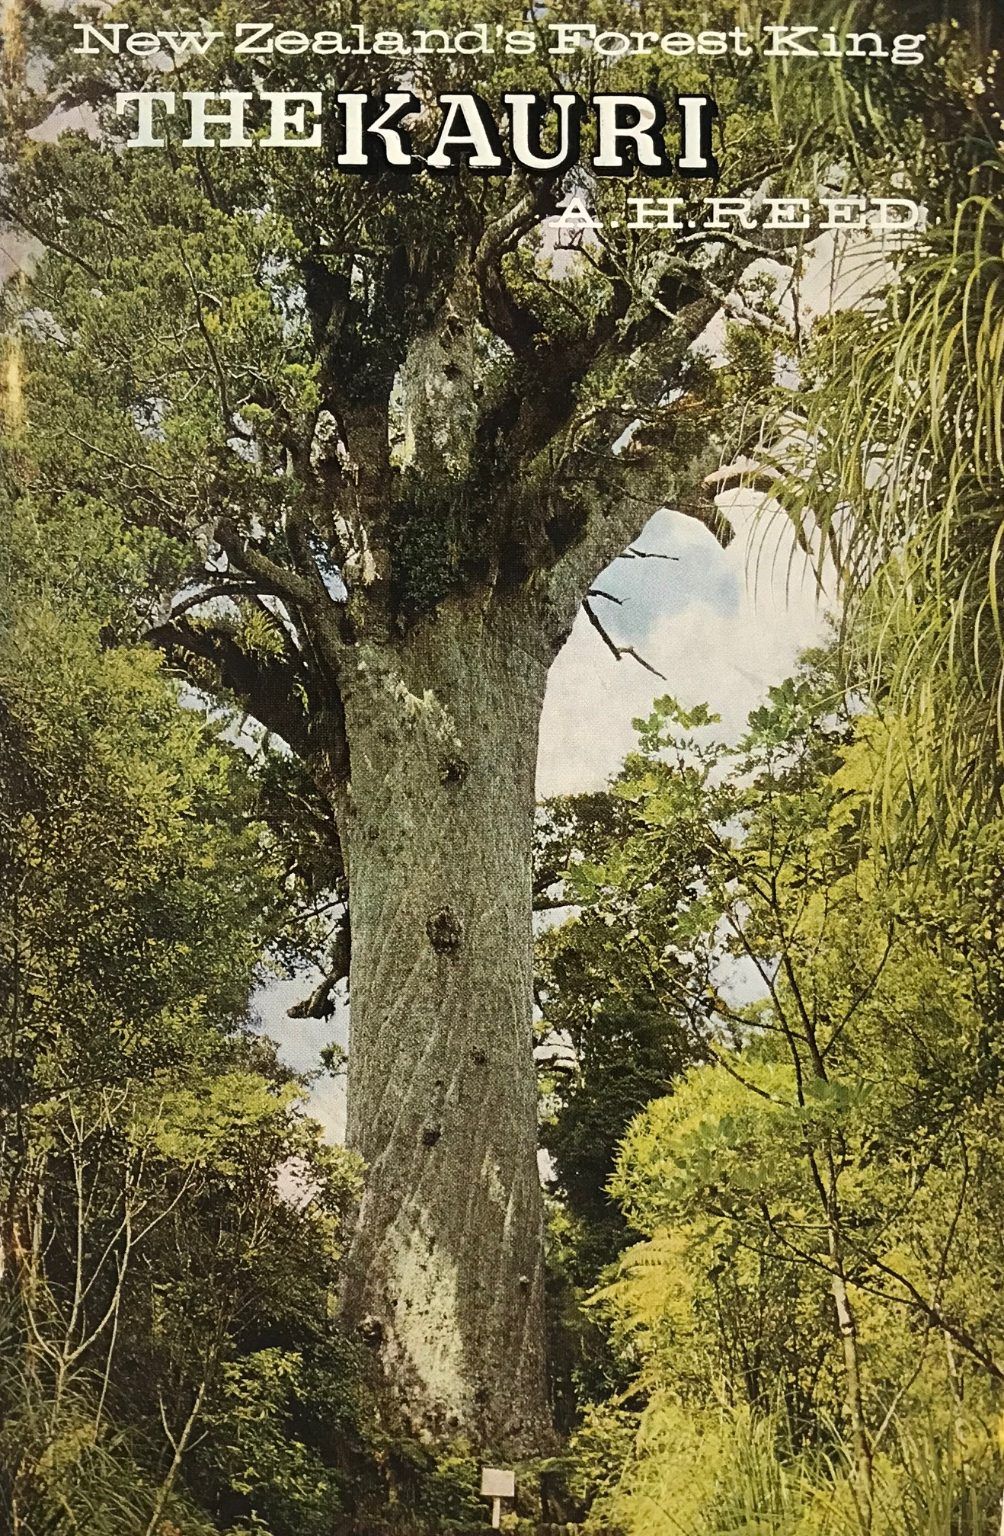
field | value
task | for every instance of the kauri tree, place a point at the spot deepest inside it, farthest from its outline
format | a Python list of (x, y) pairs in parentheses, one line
[(382, 434)]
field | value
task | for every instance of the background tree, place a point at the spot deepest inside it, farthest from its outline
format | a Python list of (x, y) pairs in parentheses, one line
[(812, 1198), (615, 1000), (169, 1218)]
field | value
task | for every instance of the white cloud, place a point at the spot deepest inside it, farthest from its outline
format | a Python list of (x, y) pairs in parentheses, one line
[(726, 657)]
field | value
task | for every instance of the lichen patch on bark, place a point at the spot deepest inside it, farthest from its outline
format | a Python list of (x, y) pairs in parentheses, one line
[(491, 1178), (424, 1344)]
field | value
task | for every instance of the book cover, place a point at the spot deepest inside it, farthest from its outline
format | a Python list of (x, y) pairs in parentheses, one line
[(500, 759)]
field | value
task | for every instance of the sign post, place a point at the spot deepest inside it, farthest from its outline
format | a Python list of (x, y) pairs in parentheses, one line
[(497, 1485)]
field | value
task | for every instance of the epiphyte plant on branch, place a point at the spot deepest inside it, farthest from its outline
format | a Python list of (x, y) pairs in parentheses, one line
[(378, 439)]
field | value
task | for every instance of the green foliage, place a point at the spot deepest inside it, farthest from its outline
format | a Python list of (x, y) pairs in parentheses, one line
[(732, 1473), (450, 1491), (903, 411), (433, 537), (265, 1461), (809, 1296), (172, 1218), (615, 987)]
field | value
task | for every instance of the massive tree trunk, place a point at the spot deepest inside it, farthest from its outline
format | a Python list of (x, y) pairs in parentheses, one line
[(446, 1271)]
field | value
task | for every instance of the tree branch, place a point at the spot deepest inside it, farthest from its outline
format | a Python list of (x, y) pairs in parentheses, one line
[(618, 651), (267, 686), (319, 1004), (272, 576)]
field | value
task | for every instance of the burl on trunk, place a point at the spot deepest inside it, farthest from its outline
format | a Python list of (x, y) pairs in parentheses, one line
[(446, 1270)]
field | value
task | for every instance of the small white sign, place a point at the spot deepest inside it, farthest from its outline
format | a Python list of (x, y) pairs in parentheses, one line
[(497, 1484)]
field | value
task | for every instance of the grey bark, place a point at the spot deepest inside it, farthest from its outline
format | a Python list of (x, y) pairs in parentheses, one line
[(445, 1274)]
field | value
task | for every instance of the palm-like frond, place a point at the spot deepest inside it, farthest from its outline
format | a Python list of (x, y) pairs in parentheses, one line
[(902, 469)]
